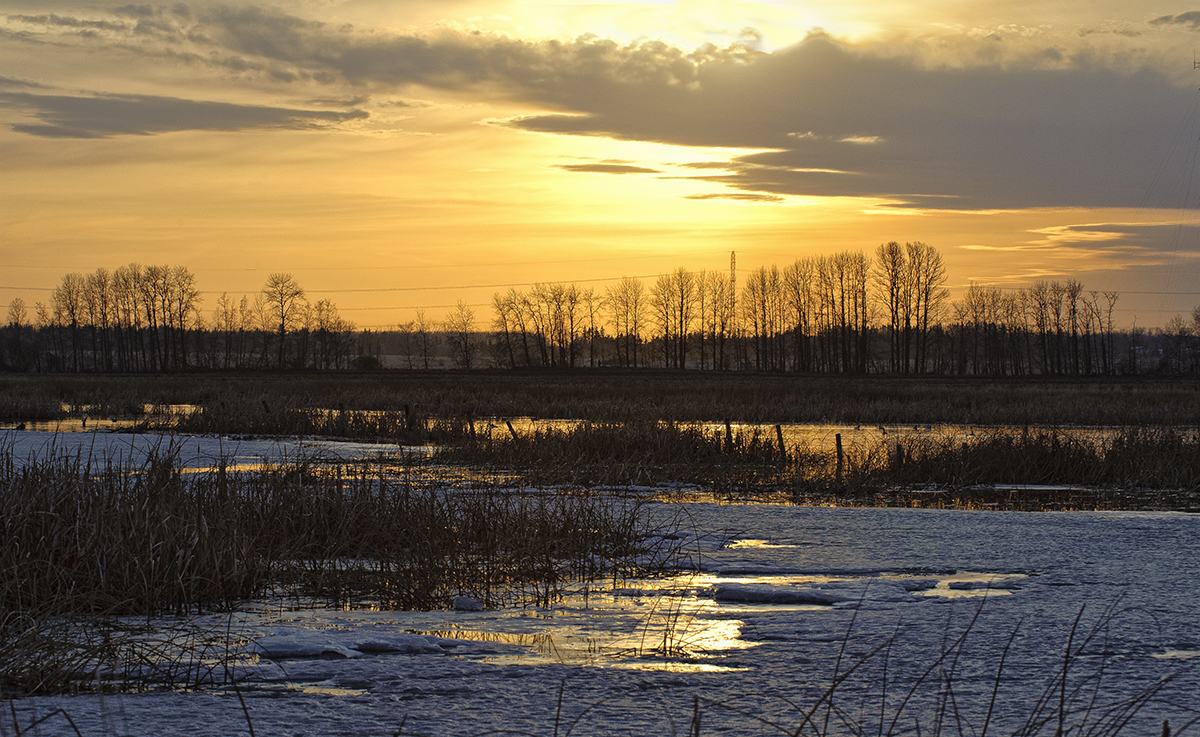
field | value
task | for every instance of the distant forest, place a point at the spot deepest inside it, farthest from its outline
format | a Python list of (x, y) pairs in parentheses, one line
[(846, 313)]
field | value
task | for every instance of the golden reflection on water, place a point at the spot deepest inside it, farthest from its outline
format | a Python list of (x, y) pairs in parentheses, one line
[(754, 543)]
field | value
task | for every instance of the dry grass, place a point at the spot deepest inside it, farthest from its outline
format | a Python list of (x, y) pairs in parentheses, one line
[(622, 396), (84, 550), (1034, 468), (631, 453)]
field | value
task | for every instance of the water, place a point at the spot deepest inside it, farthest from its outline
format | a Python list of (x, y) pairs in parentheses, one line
[(783, 599), (192, 452)]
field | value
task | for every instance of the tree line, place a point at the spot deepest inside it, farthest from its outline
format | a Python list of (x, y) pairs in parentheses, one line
[(839, 313), (137, 319), (845, 313)]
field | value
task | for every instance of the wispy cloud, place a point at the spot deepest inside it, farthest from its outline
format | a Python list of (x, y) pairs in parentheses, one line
[(607, 168), (104, 116)]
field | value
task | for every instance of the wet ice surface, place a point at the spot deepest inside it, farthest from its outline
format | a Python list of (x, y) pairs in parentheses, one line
[(782, 599), (756, 634)]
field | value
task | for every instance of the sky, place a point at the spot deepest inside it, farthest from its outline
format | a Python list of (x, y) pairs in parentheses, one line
[(396, 156)]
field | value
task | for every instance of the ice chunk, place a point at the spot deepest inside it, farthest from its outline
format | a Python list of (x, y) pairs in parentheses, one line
[(917, 584), (397, 643), (762, 593), (301, 645), (468, 604)]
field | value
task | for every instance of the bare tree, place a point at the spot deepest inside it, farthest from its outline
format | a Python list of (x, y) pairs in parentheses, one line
[(892, 276), (627, 309), (17, 317), (69, 310), (424, 327), (798, 284), (283, 299), (460, 324), (927, 296)]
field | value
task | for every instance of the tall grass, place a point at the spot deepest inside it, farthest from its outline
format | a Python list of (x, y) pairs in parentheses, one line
[(1033, 468), (619, 454)]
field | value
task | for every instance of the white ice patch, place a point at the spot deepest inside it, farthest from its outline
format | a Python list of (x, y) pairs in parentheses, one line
[(1178, 655), (976, 584), (301, 643)]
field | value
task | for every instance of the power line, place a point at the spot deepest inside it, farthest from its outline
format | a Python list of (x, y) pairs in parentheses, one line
[(470, 286), (405, 267)]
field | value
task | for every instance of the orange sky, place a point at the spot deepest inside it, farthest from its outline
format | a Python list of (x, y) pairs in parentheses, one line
[(403, 156)]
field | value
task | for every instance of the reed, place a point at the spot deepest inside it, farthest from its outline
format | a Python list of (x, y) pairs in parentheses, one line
[(1030, 468), (632, 453), (84, 549)]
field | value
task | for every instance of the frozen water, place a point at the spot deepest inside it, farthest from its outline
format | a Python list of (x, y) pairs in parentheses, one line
[(783, 601)]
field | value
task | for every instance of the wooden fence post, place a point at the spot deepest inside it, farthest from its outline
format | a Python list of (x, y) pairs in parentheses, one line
[(840, 457)]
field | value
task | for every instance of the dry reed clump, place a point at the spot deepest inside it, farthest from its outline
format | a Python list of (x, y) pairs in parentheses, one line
[(1125, 457), (17, 407), (119, 541), (590, 453), (1031, 468), (368, 536), (1088, 469), (270, 417)]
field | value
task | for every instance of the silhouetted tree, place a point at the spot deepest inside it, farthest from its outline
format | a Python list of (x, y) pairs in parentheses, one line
[(283, 299)]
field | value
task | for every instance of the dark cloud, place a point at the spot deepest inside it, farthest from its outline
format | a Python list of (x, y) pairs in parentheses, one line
[(960, 138), (608, 168), (61, 21), (1190, 19), (104, 116)]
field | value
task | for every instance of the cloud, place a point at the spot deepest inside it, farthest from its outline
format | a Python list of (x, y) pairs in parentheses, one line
[(740, 196), (104, 116), (607, 168), (1190, 19), (1045, 129)]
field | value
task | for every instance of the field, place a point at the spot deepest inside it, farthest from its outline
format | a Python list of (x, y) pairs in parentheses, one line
[(611, 395), (1021, 444)]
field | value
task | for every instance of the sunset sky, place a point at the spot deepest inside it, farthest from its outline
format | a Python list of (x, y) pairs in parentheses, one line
[(403, 155)]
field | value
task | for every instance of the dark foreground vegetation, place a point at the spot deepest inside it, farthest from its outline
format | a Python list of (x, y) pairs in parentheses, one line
[(102, 543)]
